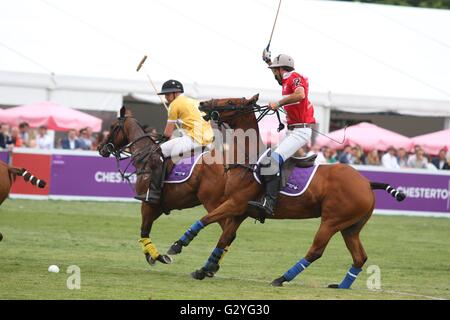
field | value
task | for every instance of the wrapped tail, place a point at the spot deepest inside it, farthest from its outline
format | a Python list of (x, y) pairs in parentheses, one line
[(27, 176), (398, 195)]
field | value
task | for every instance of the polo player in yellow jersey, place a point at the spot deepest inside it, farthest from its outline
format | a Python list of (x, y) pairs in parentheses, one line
[(195, 133)]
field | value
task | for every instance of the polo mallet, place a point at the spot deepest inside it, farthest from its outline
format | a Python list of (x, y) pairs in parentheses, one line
[(273, 28), (139, 67)]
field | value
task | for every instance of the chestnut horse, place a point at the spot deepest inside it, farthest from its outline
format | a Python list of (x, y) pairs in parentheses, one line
[(8, 175), (338, 194), (205, 186)]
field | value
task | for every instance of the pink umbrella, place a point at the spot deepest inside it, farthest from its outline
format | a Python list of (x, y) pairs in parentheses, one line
[(368, 136), (52, 115), (433, 142)]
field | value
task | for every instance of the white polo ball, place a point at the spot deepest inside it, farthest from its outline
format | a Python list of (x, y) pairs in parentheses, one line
[(53, 268)]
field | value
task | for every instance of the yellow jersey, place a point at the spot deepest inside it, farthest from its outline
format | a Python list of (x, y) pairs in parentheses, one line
[(184, 111)]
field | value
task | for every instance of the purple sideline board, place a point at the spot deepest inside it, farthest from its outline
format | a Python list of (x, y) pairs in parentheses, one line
[(88, 176), (425, 192), (4, 156)]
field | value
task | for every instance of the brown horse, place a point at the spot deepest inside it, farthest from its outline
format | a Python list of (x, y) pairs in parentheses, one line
[(205, 186), (8, 175), (338, 194)]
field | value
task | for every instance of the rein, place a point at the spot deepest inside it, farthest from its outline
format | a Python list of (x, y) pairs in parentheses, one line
[(244, 110), (122, 153)]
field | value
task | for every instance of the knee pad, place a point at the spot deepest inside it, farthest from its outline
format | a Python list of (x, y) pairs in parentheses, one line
[(271, 164)]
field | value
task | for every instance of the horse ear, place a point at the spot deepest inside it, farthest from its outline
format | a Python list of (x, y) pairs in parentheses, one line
[(123, 111), (253, 99), (128, 113)]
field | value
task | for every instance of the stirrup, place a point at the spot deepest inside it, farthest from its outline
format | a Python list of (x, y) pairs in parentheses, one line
[(262, 208), (146, 197)]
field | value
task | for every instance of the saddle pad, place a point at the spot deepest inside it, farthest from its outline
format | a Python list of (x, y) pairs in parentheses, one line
[(183, 169), (298, 181)]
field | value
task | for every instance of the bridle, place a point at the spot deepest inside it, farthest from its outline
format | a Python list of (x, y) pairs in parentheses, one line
[(123, 153), (215, 113)]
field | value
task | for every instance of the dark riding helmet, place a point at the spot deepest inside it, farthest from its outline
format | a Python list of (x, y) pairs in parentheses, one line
[(171, 86)]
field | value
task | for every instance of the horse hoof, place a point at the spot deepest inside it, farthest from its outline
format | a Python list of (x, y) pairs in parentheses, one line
[(149, 259), (198, 274), (333, 286), (164, 259), (212, 271), (278, 282), (175, 248)]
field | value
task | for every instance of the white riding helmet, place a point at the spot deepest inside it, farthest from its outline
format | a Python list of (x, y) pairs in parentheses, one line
[(282, 60)]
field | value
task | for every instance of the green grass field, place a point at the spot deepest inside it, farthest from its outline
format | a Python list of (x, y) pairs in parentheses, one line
[(101, 238)]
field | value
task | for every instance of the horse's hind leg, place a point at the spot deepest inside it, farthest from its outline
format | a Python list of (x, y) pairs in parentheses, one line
[(359, 256), (320, 242)]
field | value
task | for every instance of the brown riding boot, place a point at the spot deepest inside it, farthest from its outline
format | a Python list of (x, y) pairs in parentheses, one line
[(268, 203), (153, 194)]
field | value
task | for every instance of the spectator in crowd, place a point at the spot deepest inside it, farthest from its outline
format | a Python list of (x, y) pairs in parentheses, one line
[(447, 164), (373, 158), (440, 161), (5, 137), (418, 160), (71, 142), (90, 135), (15, 138), (402, 158), (27, 135), (98, 140), (329, 155), (362, 156), (86, 142), (346, 155), (389, 160), (43, 139), (357, 156)]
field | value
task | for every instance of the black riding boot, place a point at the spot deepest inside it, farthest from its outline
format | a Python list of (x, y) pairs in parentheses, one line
[(268, 203), (153, 194)]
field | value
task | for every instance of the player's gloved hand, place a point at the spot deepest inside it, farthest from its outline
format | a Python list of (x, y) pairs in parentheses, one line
[(274, 105), (266, 56)]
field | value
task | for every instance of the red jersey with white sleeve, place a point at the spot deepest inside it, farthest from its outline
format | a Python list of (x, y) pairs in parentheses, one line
[(302, 111)]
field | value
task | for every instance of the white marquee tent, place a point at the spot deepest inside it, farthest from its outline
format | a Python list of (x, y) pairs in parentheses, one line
[(358, 57)]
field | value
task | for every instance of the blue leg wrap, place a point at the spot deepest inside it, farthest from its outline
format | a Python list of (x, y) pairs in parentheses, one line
[(349, 278), (296, 269), (192, 232), (213, 259)]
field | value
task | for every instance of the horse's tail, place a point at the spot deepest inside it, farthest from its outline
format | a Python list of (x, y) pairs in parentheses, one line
[(398, 195), (27, 176)]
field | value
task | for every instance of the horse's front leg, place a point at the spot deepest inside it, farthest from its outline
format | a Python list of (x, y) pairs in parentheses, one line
[(227, 237), (149, 215), (218, 214)]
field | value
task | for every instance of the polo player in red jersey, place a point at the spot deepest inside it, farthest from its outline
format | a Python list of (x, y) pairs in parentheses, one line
[(300, 118)]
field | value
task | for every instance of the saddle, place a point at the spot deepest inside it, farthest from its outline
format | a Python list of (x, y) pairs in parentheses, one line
[(288, 167), (294, 162)]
